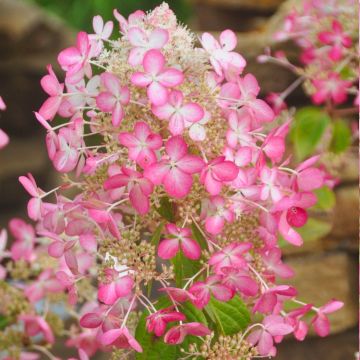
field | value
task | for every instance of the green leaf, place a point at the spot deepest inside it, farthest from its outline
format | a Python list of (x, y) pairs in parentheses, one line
[(184, 268), (325, 198), (166, 209), (198, 236), (157, 235), (231, 317), (4, 322), (341, 138), (314, 229), (309, 127)]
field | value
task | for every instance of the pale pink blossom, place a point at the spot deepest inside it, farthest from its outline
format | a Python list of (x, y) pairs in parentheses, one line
[(239, 281), (178, 113), (36, 325), (321, 322), (120, 338), (156, 78), (222, 56), (114, 98), (142, 42)]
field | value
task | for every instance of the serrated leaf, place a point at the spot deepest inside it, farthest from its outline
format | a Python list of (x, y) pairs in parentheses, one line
[(166, 209), (231, 317), (309, 127), (341, 138), (325, 198)]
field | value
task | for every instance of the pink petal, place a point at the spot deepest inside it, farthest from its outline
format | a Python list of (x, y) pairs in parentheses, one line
[(140, 79), (137, 37), (157, 94), (171, 77), (177, 183), (265, 343), (176, 148), (50, 107), (168, 248), (124, 286), (156, 172), (228, 40), (136, 56), (289, 233), (107, 293), (192, 112), (190, 248), (222, 292), (262, 111), (29, 185), (310, 179), (225, 170), (163, 111), (4, 139), (153, 62), (176, 124), (139, 200), (158, 38), (214, 224), (91, 320)]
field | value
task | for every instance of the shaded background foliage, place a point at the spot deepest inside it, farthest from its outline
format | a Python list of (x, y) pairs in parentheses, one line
[(79, 13)]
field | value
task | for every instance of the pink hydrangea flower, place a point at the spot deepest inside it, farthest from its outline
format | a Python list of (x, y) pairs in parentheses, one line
[(36, 325), (178, 238), (222, 56), (273, 325), (212, 286), (337, 39), (216, 173), (177, 334), (158, 321), (116, 287), (141, 144), (321, 322), (331, 88), (120, 338), (216, 215), (239, 281), (230, 256), (139, 188), (142, 43), (178, 113), (156, 78), (55, 90), (114, 98), (176, 170)]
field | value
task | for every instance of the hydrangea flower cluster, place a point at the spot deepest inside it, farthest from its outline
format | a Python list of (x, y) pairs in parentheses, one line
[(175, 190), (327, 33)]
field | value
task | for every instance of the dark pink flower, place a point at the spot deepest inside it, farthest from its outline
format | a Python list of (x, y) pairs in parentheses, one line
[(178, 238), (216, 173), (212, 286), (36, 325), (116, 286), (321, 322), (273, 326), (239, 281), (157, 321), (230, 256), (139, 188), (175, 171), (120, 338), (177, 334), (141, 144)]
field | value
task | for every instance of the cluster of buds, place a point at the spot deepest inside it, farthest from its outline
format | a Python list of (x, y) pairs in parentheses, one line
[(156, 124), (327, 33)]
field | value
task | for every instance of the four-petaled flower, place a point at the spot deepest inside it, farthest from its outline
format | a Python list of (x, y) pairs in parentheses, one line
[(156, 78), (157, 321)]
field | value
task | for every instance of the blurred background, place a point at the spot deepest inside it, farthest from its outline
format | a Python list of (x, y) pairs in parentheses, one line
[(32, 32)]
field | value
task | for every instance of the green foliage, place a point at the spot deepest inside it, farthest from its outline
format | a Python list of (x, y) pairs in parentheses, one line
[(154, 348), (184, 268), (231, 317), (166, 209), (4, 322), (341, 138), (79, 13), (309, 127), (325, 198)]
